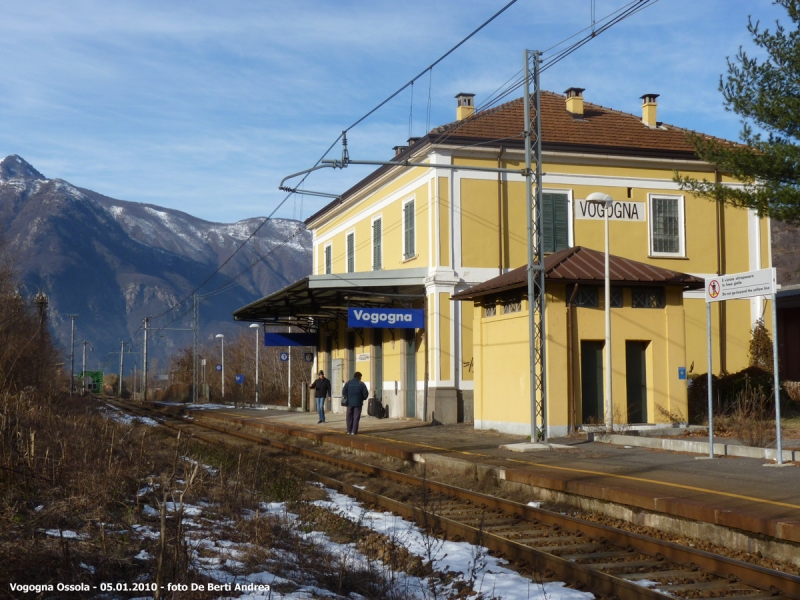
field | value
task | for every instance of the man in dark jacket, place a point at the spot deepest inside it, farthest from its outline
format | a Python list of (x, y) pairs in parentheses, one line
[(355, 392), (322, 390)]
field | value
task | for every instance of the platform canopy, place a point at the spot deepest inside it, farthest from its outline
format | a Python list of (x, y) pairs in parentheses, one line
[(314, 300)]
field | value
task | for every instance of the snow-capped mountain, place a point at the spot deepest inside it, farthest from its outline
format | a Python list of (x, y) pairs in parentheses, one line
[(114, 262)]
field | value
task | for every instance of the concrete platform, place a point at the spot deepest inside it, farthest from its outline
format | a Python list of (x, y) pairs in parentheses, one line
[(733, 500)]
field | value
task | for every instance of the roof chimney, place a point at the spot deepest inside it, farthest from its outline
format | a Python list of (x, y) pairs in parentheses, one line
[(465, 107), (399, 149), (649, 107), (575, 101)]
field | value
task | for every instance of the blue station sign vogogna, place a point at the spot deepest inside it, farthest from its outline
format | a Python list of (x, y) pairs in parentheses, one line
[(401, 318)]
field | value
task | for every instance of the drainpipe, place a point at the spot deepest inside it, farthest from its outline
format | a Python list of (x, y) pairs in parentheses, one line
[(500, 213), (573, 421), (425, 339)]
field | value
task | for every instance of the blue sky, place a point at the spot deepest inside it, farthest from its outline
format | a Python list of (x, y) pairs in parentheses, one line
[(205, 106)]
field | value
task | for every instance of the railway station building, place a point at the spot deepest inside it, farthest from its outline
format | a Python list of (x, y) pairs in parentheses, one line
[(451, 243)]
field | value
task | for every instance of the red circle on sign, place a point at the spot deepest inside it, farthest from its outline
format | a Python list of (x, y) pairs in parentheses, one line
[(713, 288)]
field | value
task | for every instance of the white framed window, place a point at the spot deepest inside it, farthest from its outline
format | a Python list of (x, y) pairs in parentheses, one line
[(328, 259), (377, 243), (351, 251), (409, 232), (667, 225)]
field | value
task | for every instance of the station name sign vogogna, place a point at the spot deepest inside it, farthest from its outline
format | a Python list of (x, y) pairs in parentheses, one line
[(619, 211), (402, 318)]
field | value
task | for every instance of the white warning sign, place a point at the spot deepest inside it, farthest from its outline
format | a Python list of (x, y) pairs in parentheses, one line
[(741, 285)]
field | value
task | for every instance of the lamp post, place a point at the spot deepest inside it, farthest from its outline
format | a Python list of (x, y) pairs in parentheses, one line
[(222, 342), (256, 326), (83, 377), (607, 203)]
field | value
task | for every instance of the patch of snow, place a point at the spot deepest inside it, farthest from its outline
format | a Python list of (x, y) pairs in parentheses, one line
[(86, 567), (67, 534), (535, 504), (143, 555), (458, 557)]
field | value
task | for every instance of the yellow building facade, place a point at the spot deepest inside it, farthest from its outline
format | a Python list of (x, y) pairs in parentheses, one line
[(420, 234)]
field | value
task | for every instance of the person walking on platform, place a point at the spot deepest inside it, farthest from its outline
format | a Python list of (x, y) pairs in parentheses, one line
[(355, 392), (322, 390)]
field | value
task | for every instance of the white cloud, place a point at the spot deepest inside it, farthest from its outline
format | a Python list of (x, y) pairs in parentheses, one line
[(205, 107)]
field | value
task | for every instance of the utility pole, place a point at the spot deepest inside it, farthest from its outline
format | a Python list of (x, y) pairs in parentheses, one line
[(72, 356), (144, 365), (135, 377), (121, 356), (194, 354)]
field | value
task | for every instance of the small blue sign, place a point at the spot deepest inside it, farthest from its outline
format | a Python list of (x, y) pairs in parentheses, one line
[(681, 372), (219, 367), (284, 356), (401, 318), (239, 379)]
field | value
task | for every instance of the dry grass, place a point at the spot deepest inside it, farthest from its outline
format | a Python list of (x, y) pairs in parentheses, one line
[(64, 466)]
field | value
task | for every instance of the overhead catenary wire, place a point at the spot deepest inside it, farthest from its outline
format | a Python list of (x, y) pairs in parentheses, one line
[(612, 19), (333, 144)]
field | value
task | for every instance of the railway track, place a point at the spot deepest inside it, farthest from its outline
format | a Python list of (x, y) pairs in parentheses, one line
[(607, 561)]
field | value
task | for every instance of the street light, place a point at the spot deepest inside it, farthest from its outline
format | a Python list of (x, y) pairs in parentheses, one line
[(222, 342), (256, 326), (83, 377), (607, 202)]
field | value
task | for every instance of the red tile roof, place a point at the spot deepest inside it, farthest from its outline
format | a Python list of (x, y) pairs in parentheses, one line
[(599, 127), (584, 265), (600, 130)]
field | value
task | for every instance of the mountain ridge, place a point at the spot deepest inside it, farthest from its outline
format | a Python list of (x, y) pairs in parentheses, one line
[(115, 261)]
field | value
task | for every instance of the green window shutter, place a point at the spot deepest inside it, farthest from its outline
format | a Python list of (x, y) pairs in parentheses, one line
[(351, 253), (376, 245), (408, 221), (560, 222), (328, 260), (555, 222), (548, 238)]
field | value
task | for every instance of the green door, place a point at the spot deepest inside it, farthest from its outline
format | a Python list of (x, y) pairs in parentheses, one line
[(592, 382), (377, 357), (636, 380), (410, 344)]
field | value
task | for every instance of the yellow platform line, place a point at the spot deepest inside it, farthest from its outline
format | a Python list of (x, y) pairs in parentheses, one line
[(589, 472)]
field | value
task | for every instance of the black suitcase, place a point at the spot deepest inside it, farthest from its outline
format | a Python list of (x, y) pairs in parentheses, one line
[(374, 408)]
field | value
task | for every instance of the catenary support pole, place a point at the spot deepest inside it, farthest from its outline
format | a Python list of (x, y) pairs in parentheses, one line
[(541, 340), (289, 393), (536, 298), (121, 366), (710, 391), (195, 376), (776, 378), (144, 362), (529, 217)]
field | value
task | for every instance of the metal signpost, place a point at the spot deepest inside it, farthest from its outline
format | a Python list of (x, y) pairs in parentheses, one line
[(734, 287)]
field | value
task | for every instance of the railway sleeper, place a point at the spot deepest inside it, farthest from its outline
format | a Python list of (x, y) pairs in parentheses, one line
[(633, 564), (592, 555), (655, 575), (718, 584), (540, 543)]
